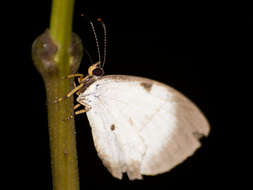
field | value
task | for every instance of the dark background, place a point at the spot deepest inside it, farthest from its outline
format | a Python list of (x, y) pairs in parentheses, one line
[(184, 48)]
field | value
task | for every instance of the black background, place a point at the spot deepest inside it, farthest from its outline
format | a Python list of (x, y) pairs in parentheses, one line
[(181, 47)]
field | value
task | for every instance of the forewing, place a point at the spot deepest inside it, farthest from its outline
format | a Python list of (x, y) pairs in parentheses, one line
[(141, 126)]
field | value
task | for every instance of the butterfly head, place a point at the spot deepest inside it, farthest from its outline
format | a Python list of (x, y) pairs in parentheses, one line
[(96, 70)]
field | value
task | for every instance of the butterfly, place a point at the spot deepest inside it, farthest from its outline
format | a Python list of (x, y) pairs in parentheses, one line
[(139, 126)]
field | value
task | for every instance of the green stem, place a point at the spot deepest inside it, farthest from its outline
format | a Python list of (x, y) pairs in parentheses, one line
[(61, 29), (57, 53), (62, 137), (62, 132)]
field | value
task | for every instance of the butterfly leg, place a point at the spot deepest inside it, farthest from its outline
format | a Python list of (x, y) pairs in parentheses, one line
[(82, 111), (75, 90), (75, 75), (70, 93), (86, 108), (80, 78), (77, 106), (77, 87)]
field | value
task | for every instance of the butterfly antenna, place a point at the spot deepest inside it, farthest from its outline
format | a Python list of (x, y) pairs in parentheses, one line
[(89, 56), (96, 38), (105, 39)]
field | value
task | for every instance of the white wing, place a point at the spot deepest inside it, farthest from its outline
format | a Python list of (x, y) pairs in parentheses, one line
[(141, 126)]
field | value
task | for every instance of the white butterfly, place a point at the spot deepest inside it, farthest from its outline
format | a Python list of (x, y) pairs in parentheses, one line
[(139, 126)]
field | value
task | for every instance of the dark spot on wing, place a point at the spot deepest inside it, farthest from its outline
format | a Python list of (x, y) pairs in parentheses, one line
[(147, 86), (198, 135), (112, 127)]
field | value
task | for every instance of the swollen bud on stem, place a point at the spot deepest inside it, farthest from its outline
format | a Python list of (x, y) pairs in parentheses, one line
[(44, 51)]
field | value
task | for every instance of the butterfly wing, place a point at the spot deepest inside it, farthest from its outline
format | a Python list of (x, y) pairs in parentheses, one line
[(141, 126)]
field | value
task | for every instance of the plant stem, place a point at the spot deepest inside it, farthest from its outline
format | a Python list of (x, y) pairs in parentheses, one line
[(61, 29), (62, 137), (62, 132), (57, 53)]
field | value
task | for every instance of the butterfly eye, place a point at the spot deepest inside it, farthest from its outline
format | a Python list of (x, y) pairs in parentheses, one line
[(98, 72)]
